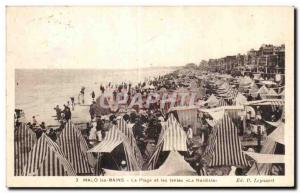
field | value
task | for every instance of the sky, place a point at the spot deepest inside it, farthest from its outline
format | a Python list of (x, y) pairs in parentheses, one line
[(133, 37)]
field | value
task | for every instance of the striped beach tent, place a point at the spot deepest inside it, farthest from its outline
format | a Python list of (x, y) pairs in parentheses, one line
[(187, 115), (75, 149), (172, 138), (127, 131), (24, 140), (224, 146), (222, 102), (47, 159), (112, 139)]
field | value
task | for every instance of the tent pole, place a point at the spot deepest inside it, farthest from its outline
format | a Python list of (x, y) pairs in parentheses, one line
[(257, 168)]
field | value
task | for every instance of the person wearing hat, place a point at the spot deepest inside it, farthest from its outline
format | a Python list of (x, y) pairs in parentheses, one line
[(123, 166)]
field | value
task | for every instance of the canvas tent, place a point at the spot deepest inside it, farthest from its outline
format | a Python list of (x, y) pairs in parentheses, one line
[(224, 146), (172, 138), (24, 140), (127, 131), (75, 149), (113, 138), (187, 116), (47, 159), (260, 167)]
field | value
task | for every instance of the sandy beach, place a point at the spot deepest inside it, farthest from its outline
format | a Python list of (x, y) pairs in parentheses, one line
[(39, 91)]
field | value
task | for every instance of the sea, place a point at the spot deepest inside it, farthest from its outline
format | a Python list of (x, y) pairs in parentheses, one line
[(38, 91)]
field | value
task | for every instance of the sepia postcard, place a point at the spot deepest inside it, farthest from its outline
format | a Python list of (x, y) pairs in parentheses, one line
[(133, 96)]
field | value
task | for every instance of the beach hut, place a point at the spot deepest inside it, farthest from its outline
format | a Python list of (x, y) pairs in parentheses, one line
[(114, 148), (224, 146), (75, 148), (47, 159), (24, 140)]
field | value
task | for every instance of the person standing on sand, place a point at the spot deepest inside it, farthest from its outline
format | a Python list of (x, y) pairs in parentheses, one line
[(93, 96), (72, 103), (67, 113), (92, 110), (81, 95)]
